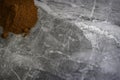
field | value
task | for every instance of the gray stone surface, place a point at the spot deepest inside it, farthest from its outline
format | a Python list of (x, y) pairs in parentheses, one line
[(62, 46), (105, 10)]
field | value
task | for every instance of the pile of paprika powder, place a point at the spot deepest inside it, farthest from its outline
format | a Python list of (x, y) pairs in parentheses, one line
[(17, 16)]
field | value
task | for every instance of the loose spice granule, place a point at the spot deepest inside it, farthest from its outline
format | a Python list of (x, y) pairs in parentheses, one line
[(17, 16)]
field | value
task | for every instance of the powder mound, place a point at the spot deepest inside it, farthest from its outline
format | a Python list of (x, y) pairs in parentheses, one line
[(17, 16)]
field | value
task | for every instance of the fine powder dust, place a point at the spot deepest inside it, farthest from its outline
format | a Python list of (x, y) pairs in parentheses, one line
[(17, 16)]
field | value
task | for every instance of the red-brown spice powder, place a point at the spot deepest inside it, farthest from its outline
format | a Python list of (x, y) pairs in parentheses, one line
[(17, 16)]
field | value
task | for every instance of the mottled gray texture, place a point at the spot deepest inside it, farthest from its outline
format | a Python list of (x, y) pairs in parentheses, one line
[(105, 10), (62, 46)]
